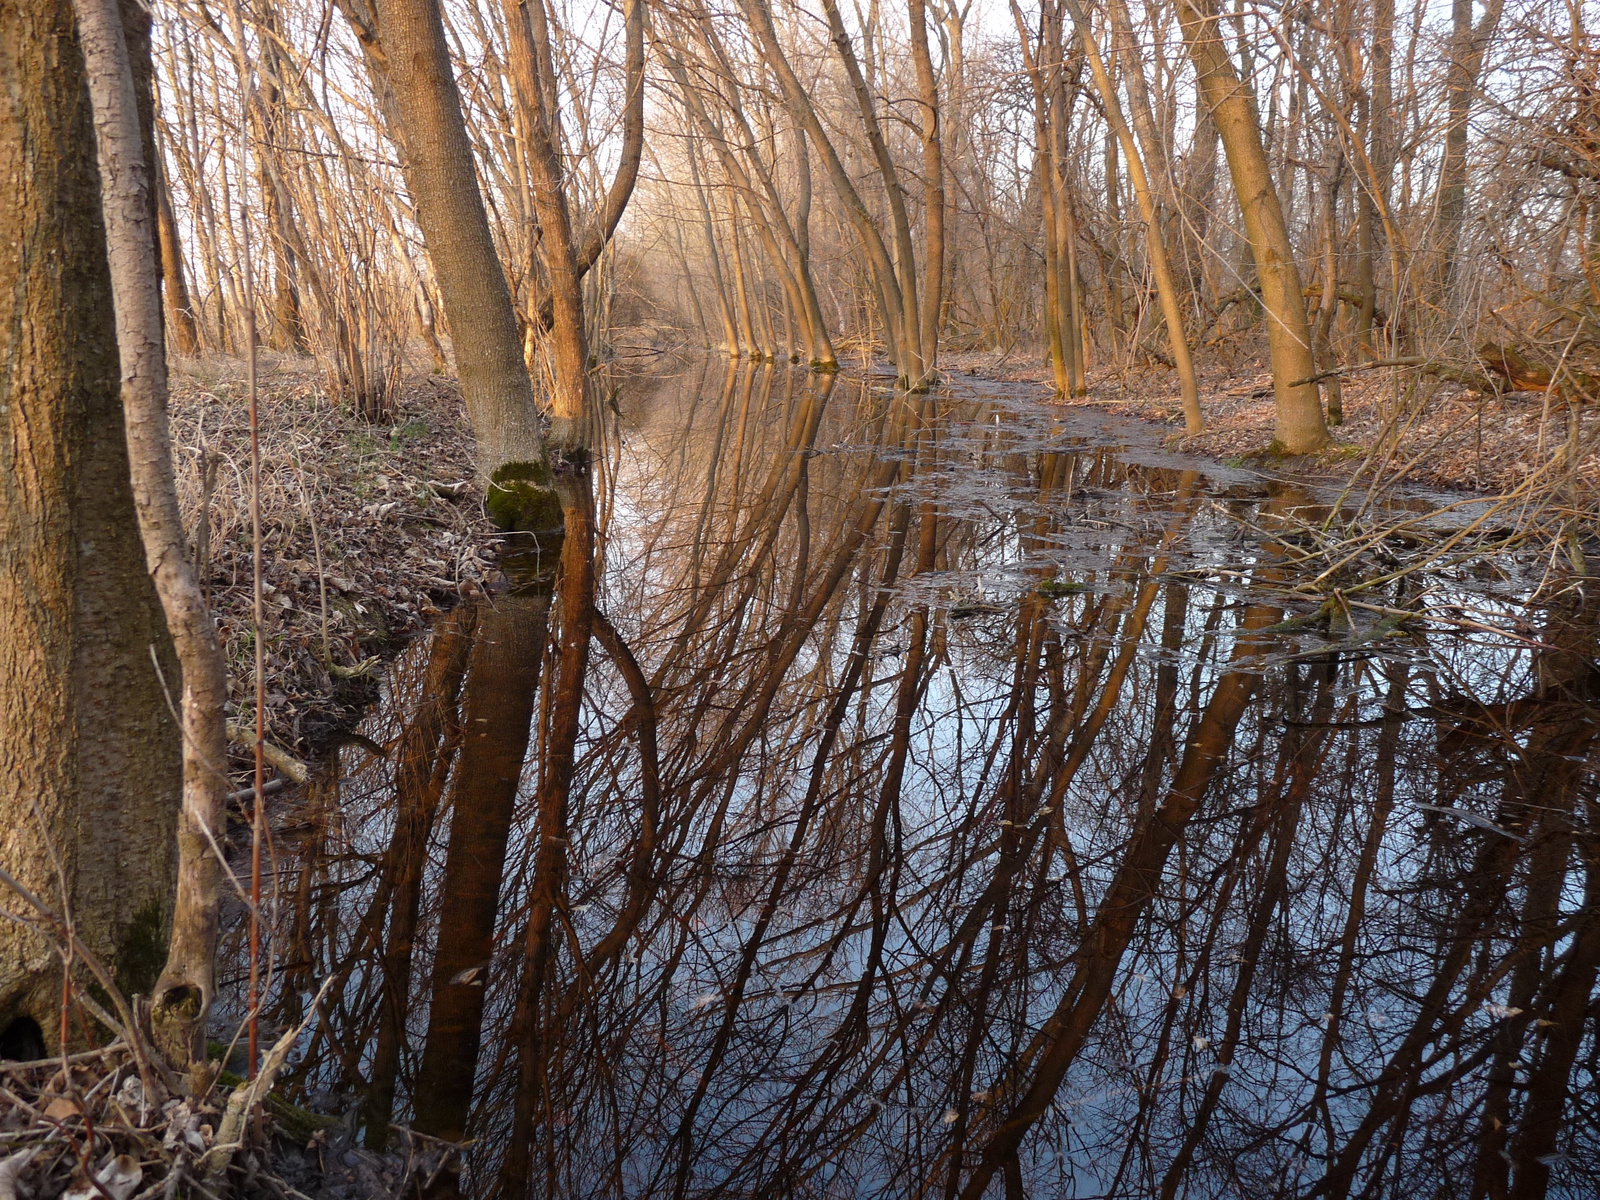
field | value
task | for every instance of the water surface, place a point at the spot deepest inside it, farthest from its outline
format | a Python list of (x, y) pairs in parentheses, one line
[(929, 794)]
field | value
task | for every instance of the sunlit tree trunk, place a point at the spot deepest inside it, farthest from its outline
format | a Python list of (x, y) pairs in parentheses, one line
[(538, 94), (1299, 427), (887, 291), (404, 43), (1156, 246), (933, 204), (183, 335)]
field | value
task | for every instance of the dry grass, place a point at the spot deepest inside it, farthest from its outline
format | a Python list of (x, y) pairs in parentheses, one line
[(367, 530)]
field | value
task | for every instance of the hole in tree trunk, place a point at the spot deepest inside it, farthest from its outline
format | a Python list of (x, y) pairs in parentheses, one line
[(23, 1041)]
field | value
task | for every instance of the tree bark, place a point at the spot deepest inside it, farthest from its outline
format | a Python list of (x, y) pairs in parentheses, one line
[(184, 992), (405, 47), (1299, 427), (89, 762), (533, 70)]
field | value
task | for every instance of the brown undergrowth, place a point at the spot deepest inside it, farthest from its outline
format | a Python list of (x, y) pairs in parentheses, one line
[(1399, 426), (368, 530), (96, 1126)]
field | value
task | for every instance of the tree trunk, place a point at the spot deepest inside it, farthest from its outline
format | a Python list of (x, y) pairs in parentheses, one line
[(89, 758), (1467, 46), (533, 69), (1299, 428), (1373, 198), (184, 992), (933, 193), (1160, 265), (405, 45), (182, 330)]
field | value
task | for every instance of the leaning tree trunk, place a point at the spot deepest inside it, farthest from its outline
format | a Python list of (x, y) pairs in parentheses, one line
[(405, 47), (1299, 428), (89, 760), (1160, 265), (185, 989)]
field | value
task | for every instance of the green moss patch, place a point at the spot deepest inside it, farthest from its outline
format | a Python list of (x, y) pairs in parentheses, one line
[(522, 498)]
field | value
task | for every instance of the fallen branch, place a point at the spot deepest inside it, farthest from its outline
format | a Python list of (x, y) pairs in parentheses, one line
[(241, 734), (243, 1101)]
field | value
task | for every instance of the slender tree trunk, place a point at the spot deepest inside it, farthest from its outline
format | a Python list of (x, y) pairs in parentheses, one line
[(1467, 46), (933, 196), (184, 333), (186, 987), (730, 335), (1328, 306), (1373, 196), (1160, 265), (1299, 427)]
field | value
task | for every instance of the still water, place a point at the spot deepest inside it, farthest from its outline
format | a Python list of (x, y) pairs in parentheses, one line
[(954, 796)]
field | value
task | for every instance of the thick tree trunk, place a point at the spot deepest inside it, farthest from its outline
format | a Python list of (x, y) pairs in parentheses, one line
[(1300, 428), (89, 758), (405, 46)]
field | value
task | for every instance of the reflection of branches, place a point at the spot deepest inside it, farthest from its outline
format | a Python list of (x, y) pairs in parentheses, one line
[(951, 804)]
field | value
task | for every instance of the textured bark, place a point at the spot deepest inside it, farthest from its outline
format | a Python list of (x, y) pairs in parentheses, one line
[(184, 991), (1299, 427), (405, 49), (88, 751)]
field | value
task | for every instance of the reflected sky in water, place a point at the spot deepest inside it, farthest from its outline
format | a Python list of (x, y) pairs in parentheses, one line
[(952, 796)]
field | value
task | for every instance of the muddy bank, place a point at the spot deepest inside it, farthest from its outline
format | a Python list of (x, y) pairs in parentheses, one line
[(1447, 436), (368, 530)]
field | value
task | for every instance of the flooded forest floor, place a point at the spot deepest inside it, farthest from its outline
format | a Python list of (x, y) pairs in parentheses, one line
[(941, 793), (1438, 434), (373, 528)]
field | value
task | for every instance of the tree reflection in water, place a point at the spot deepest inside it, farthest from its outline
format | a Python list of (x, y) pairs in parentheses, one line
[(924, 796)]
